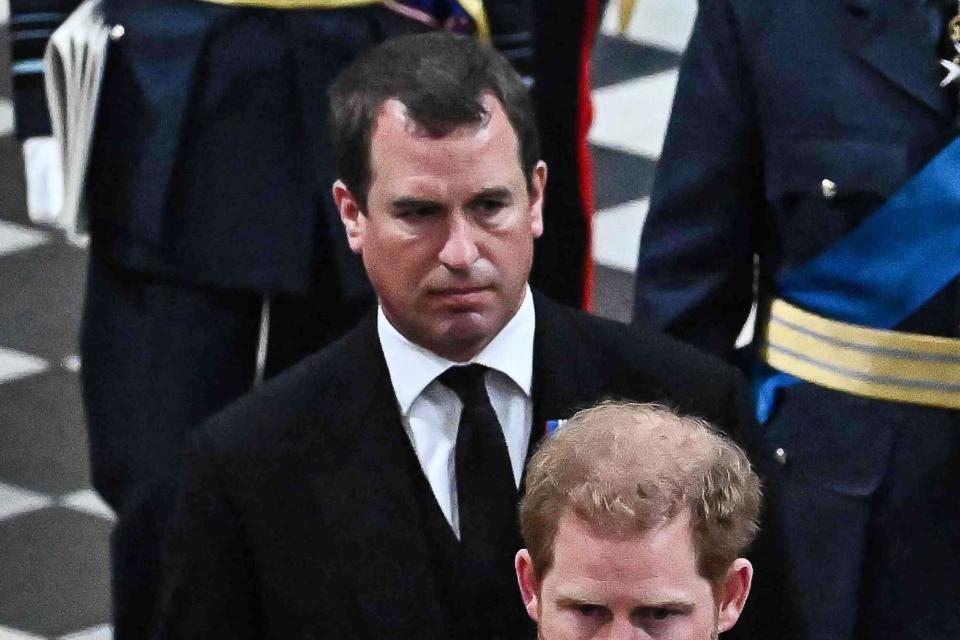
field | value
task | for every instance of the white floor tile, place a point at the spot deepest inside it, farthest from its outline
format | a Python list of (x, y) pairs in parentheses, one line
[(16, 237), (14, 365), (665, 23), (6, 116), (632, 116), (101, 632), (616, 235), (15, 501), (87, 501), (71, 363), (6, 633)]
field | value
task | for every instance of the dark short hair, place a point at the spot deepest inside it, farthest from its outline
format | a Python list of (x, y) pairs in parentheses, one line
[(440, 78)]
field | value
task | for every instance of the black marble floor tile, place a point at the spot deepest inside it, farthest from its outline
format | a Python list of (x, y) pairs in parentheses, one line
[(613, 293), (5, 79), (43, 292), (13, 198), (54, 574), (12, 190), (43, 434), (616, 59), (620, 177)]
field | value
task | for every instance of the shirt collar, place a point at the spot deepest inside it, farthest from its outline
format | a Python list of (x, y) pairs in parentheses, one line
[(412, 367)]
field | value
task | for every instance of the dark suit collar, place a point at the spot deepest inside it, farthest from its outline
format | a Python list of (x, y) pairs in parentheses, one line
[(394, 578), (552, 378), (555, 374), (376, 422), (555, 368), (895, 38), (408, 559)]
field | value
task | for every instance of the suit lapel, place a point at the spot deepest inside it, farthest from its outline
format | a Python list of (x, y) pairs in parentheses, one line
[(895, 39), (558, 369), (392, 576)]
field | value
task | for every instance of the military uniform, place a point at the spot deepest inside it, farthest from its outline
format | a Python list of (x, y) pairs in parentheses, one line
[(793, 124), (31, 24)]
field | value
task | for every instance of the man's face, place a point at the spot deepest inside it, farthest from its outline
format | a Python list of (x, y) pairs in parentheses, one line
[(641, 586), (447, 238)]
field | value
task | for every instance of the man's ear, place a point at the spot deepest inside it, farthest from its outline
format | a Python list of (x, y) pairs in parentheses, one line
[(538, 184), (353, 219), (529, 586), (736, 588)]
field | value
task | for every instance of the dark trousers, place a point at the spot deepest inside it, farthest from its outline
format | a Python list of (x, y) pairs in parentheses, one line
[(159, 356), (861, 523)]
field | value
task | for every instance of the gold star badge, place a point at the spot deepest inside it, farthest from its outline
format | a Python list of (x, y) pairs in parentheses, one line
[(952, 67)]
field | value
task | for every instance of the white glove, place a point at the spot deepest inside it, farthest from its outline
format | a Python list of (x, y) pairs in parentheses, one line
[(44, 171)]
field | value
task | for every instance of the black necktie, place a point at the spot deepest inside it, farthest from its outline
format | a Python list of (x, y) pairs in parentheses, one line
[(486, 492)]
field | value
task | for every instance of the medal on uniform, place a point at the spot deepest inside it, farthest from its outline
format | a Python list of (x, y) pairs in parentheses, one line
[(953, 66)]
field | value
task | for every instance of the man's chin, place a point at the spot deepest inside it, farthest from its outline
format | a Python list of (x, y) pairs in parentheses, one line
[(465, 334)]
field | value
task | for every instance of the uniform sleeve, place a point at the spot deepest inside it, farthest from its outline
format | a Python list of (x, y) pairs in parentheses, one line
[(743, 420), (31, 24), (695, 272), (208, 589), (510, 33)]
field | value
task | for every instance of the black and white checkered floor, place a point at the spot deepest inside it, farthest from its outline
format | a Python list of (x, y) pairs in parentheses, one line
[(54, 530)]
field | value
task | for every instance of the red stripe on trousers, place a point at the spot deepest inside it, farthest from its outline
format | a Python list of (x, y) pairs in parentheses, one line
[(585, 118)]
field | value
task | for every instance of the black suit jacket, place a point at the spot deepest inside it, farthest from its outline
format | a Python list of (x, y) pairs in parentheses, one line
[(304, 502)]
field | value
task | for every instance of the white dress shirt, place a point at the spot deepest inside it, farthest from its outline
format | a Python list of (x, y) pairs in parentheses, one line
[(430, 412)]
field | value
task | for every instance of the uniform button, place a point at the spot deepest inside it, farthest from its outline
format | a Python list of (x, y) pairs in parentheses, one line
[(829, 188), (117, 32), (780, 456)]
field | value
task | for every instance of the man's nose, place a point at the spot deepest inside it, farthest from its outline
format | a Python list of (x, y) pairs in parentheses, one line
[(624, 629), (459, 252)]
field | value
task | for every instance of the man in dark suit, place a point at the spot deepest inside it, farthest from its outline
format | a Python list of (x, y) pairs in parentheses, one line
[(635, 520), (816, 138), (370, 491), (216, 256)]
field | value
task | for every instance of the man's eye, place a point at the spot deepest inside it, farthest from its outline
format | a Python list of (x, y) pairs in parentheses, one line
[(589, 610), (489, 207), (416, 212), (657, 613)]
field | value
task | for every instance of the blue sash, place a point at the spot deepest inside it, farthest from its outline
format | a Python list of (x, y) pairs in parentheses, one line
[(898, 258)]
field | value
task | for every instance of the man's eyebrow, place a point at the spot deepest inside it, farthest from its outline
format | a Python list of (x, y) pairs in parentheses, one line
[(574, 600), (414, 203), (493, 193), (673, 602)]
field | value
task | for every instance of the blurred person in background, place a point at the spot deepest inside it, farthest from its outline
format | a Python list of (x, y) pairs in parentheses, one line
[(818, 141), (31, 24)]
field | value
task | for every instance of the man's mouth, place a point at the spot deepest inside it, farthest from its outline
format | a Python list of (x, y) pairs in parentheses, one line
[(460, 295)]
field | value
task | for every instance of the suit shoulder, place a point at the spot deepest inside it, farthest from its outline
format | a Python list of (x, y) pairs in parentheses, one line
[(293, 406), (640, 345)]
